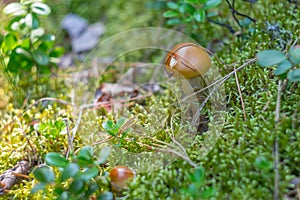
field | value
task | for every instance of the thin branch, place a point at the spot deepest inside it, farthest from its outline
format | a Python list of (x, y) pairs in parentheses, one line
[(231, 30), (276, 145), (234, 12), (223, 79), (240, 93)]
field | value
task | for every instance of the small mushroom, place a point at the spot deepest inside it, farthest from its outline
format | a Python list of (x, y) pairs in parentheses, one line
[(191, 61), (187, 59)]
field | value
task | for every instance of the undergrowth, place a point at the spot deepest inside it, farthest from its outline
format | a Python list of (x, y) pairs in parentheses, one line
[(239, 166)]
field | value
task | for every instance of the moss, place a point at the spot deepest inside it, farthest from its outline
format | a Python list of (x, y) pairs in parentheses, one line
[(230, 165)]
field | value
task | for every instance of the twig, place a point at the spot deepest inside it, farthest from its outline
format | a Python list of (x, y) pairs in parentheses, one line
[(240, 93), (234, 12), (9, 177), (231, 30), (171, 151), (223, 79), (276, 145)]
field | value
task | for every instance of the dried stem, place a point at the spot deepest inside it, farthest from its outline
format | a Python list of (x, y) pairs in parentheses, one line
[(276, 145), (240, 93)]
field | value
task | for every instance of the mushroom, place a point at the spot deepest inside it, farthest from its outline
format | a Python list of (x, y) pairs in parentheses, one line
[(190, 61)]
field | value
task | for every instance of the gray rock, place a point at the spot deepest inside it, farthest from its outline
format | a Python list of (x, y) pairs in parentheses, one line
[(74, 24), (88, 39), (85, 42), (96, 29)]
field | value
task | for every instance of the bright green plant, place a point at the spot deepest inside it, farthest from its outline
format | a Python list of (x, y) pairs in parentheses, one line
[(74, 178), (117, 130), (25, 45), (187, 11), (196, 187), (287, 64)]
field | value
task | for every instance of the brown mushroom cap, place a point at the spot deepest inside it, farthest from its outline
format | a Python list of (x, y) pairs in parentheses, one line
[(187, 59)]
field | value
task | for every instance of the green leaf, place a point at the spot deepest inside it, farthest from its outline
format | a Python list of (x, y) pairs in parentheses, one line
[(92, 189), (71, 170), (40, 8), (263, 163), (208, 192), (47, 38), (199, 15), (193, 190), (211, 4), (110, 128), (174, 21), (86, 153), (44, 174), (103, 155), (64, 196), (120, 122), (190, 1), (106, 196), (88, 174), (57, 52), (170, 13), (10, 41), (294, 75), (1, 39), (186, 8), (40, 186), (172, 5), (283, 67), (15, 9), (198, 176), (56, 159), (40, 57), (77, 186), (24, 52), (270, 57), (294, 55), (32, 21)]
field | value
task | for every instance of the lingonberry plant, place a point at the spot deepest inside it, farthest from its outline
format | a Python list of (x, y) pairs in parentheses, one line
[(287, 65), (74, 178), (24, 43)]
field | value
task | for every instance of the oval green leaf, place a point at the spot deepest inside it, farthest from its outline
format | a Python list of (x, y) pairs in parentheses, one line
[(71, 170), (211, 4), (15, 9), (294, 75), (170, 13), (186, 8), (77, 186), (172, 5), (103, 155), (106, 196), (89, 174), (199, 15), (44, 174), (283, 67), (40, 8), (86, 153), (294, 55), (40, 186), (57, 52), (56, 159), (270, 57), (174, 21), (10, 41), (32, 21), (40, 57)]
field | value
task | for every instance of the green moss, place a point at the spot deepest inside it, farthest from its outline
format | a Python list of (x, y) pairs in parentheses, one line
[(230, 165)]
